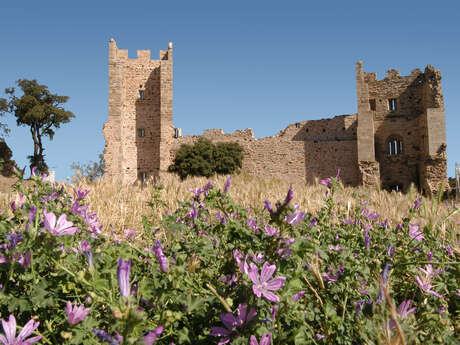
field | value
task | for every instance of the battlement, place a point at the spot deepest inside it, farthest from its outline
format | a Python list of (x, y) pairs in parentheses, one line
[(143, 55)]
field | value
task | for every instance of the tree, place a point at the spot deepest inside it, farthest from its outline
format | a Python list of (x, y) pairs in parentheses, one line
[(4, 130), (39, 109), (91, 170)]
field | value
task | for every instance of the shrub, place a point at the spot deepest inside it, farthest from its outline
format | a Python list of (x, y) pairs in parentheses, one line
[(206, 159)]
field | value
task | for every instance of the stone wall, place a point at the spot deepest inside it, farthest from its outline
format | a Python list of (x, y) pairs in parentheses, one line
[(302, 151), (406, 112)]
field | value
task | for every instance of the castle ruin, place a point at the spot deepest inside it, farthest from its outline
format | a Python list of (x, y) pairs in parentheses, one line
[(398, 136)]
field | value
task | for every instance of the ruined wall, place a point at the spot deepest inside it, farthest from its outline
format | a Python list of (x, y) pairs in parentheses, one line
[(140, 114), (302, 151), (401, 108), (405, 110)]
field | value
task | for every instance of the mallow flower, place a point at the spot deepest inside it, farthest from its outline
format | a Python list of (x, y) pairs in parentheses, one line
[(10, 332), (61, 228), (152, 336), (265, 340), (123, 271), (262, 283), (230, 322), (162, 259), (76, 314)]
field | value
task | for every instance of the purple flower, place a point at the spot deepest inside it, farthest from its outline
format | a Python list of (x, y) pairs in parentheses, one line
[(424, 282), (130, 234), (390, 250), (104, 336), (415, 233), (152, 336), (80, 194), (229, 279), (271, 230), (262, 284), (429, 255), (449, 250), (76, 314), (25, 259), (230, 322), (313, 221), (327, 182), (265, 340), (268, 206), (331, 276), (31, 216), (289, 196), (417, 204), (227, 184), (193, 213), (295, 217), (385, 273), (336, 248), (319, 336), (403, 309), (252, 223), (244, 268), (123, 271), (61, 228), (10, 332), (162, 259), (298, 295)]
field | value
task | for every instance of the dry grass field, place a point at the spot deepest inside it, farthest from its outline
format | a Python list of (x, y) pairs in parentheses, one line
[(123, 206)]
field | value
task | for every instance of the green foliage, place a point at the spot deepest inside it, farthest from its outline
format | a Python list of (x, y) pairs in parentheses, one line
[(6, 163), (90, 171), (208, 243), (40, 110), (206, 159)]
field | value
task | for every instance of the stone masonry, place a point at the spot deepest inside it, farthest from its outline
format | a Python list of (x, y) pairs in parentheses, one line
[(398, 136)]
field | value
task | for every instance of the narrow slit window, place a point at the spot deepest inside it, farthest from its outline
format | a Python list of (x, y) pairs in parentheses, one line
[(141, 95), (176, 133), (141, 132), (394, 146), (143, 176), (372, 104), (392, 104)]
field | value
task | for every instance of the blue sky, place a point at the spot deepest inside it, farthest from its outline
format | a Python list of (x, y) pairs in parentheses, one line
[(237, 64)]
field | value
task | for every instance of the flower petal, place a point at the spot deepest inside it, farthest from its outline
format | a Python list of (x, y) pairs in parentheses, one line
[(276, 284), (270, 296), (267, 271)]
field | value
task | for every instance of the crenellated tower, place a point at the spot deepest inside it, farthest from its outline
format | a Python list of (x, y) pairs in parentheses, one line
[(140, 130)]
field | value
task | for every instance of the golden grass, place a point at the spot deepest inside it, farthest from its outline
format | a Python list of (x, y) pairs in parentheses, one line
[(123, 206)]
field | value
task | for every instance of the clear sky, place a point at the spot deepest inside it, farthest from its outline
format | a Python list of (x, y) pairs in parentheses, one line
[(237, 64)]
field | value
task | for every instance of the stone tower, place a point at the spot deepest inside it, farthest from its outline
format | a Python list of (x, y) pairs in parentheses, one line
[(140, 130), (401, 129)]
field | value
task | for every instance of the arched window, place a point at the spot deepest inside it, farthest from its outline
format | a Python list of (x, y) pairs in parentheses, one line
[(394, 145)]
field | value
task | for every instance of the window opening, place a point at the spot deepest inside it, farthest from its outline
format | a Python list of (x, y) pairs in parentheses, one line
[(372, 104), (392, 104), (395, 146), (143, 176), (141, 95), (176, 133), (141, 132), (297, 125), (397, 187)]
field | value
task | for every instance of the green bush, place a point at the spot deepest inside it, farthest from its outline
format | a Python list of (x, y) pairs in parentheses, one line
[(206, 159)]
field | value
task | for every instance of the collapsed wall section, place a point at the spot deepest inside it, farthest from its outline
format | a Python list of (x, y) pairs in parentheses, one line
[(295, 154)]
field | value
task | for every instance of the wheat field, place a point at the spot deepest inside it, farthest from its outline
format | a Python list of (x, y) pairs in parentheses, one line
[(122, 207)]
